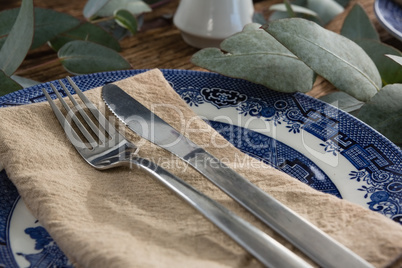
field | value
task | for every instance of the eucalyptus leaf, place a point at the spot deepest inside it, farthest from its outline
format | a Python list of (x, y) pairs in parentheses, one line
[(295, 8), (24, 82), (48, 24), (281, 13), (126, 20), (390, 71), (336, 58), (357, 25), (259, 18), (92, 7), (343, 3), (327, 10), (397, 59), (85, 32), (19, 40), (323, 10), (343, 101), (288, 8), (277, 15), (83, 57), (7, 20), (115, 30), (384, 112), (133, 6), (256, 56), (7, 85)]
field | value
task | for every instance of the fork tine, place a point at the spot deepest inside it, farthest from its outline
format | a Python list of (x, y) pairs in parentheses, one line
[(84, 115), (106, 125), (62, 119), (78, 123)]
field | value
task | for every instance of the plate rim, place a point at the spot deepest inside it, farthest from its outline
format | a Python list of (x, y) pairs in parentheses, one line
[(381, 19)]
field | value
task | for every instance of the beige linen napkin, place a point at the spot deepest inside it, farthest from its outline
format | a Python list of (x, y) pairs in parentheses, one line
[(125, 218)]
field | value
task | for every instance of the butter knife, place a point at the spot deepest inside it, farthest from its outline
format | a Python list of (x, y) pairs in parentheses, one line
[(312, 241)]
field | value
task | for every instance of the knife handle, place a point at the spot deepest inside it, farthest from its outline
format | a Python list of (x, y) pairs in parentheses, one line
[(316, 244), (263, 247)]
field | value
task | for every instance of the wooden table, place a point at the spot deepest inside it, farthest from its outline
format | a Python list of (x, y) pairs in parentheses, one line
[(159, 43)]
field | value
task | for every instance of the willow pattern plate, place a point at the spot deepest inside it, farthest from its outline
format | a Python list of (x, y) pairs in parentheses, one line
[(312, 141)]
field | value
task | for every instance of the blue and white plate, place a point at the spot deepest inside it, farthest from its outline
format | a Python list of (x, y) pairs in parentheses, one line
[(389, 14), (312, 141)]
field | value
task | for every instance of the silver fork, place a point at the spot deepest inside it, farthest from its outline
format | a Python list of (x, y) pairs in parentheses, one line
[(110, 149)]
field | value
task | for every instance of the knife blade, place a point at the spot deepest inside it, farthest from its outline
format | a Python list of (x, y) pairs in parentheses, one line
[(312, 241)]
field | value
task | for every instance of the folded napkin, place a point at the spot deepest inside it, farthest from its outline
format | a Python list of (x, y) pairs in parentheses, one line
[(125, 218)]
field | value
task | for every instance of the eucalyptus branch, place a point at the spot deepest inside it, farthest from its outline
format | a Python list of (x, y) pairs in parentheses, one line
[(353, 61), (101, 19)]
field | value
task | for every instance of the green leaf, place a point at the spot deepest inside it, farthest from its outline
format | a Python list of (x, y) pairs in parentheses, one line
[(277, 15), (256, 56), (390, 71), (19, 40), (126, 20), (343, 101), (92, 7), (289, 8), (115, 30), (24, 82), (7, 20), (384, 112), (397, 59), (301, 11), (133, 6), (86, 32), (258, 17), (7, 85), (336, 58), (83, 57), (48, 24), (326, 9), (343, 3), (295, 8), (357, 25)]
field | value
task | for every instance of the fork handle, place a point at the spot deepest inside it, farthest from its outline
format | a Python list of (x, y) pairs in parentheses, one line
[(263, 247)]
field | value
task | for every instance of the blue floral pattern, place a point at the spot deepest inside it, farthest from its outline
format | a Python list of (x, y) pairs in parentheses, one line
[(383, 189), (47, 247), (8, 197), (277, 155), (222, 97), (359, 175), (54, 257), (331, 147), (191, 96)]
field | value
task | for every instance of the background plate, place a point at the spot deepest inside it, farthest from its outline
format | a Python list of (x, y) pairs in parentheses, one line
[(312, 141), (389, 14)]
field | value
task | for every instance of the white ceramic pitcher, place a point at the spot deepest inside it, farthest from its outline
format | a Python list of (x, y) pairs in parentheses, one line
[(206, 23)]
